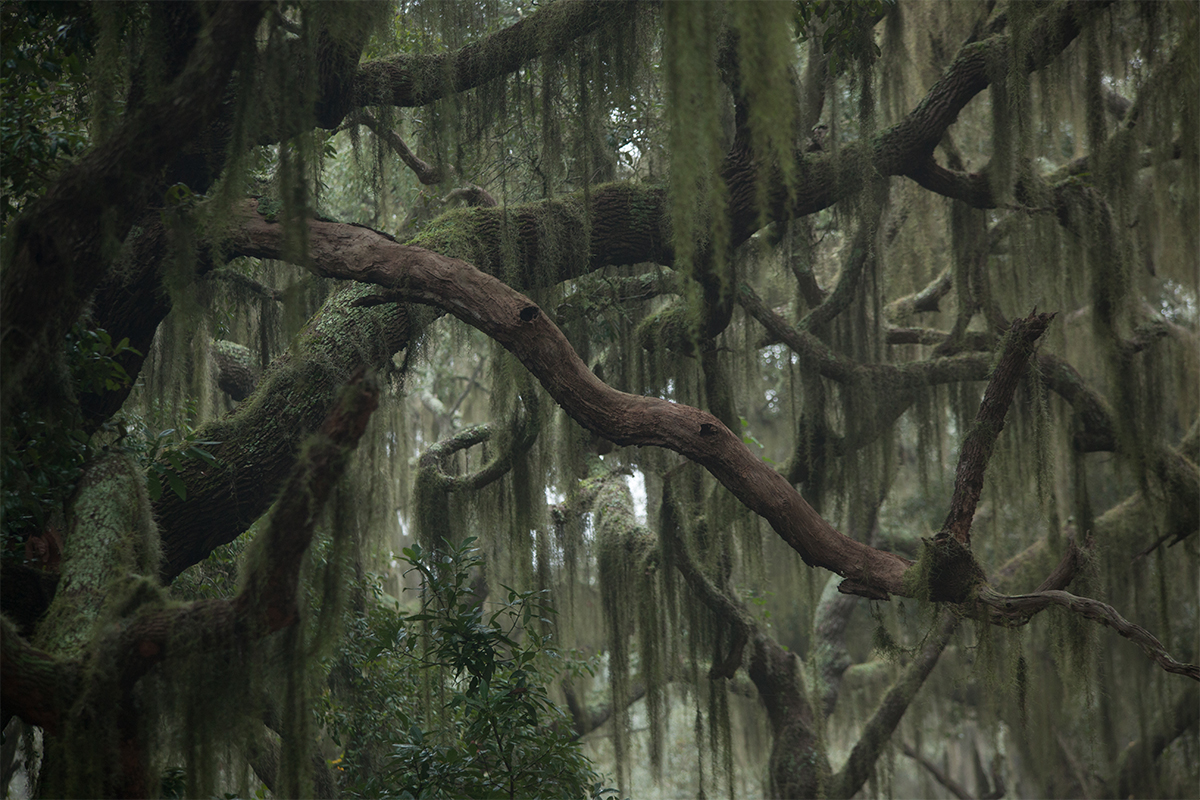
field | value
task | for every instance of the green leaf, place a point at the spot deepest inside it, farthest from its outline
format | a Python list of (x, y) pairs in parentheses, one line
[(153, 485), (177, 486)]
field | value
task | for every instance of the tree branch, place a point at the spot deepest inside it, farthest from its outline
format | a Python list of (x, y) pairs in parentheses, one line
[(1019, 608), (878, 731), (989, 422), (416, 80), (519, 325)]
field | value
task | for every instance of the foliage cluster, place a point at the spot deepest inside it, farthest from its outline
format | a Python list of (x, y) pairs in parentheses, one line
[(42, 54), (453, 700)]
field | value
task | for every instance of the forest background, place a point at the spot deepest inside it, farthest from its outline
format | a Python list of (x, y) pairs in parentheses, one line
[(525, 399)]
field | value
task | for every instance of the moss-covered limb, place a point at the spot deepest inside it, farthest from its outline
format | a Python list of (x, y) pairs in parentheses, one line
[(129, 304), (426, 173), (887, 715), (417, 80), (1136, 762), (1179, 479), (36, 686), (267, 601), (237, 371), (110, 540), (1019, 608), (798, 765), (819, 356), (808, 346), (244, 281), (592, 292), (1097, 430), (923, 300), (860, 259), (1164, 80), (725, 605), (907, 147), (523, 433), (271, 585), (532, 245), (434, 484), (830, 653), (969, 341), (970, 73), (258, 441), (979, 443), (584, 720), (61, 245)]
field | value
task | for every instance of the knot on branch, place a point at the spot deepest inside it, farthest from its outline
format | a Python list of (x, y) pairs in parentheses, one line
[(947, 571)]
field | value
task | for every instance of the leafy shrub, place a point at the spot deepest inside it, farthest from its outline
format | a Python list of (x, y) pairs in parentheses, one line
[(451, 701)]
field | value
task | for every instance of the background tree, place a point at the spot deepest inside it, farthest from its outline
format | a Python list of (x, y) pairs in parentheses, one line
[(793, 246)]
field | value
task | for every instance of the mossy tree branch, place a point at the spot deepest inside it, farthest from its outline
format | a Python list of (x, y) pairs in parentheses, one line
[(877, 732), (1019, 608), (258, 441), (417, 80), (40, 686)]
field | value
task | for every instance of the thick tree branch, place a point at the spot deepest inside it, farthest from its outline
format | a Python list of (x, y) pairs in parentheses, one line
[(44, 687), (1136, 762), (878, 731), (416, 80), (259, 440), (515, 322), (34, 685), (925, 300)]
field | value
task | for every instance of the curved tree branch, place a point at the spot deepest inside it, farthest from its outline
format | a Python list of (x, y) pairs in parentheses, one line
[(1019, 608), (515, 322)]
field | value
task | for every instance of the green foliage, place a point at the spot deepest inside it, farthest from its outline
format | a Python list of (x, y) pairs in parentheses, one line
[(847, 28), (92, 358), (40, 76), (44, 455), (165, 464), (486, 726)]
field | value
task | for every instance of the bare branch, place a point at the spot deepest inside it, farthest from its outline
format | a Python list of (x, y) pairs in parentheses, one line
[(989, 422), (1019, 608), (426, 173)]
